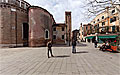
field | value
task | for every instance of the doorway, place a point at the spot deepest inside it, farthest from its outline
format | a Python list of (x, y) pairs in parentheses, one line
[(25, 34)]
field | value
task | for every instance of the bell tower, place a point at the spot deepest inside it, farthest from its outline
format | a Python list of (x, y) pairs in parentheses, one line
[(68, 23)]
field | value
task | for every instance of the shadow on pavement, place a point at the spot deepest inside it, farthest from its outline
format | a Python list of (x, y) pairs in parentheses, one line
[(62, 56), (63, 45), (115, 52), (81, 52), (81, 44)]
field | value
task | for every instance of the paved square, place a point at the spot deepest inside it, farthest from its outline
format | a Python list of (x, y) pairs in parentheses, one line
[(34, 61)]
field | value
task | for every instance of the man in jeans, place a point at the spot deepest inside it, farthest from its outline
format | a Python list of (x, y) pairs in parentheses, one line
[(73, 46), (49, 44), (95, 43)]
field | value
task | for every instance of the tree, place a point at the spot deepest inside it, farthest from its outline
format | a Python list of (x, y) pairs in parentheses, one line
[(95, 7)]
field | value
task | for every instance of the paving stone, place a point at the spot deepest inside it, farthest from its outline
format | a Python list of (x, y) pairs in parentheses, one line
[(34, 61)]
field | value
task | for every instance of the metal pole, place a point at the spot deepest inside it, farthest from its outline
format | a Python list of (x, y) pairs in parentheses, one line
[(16, 25)]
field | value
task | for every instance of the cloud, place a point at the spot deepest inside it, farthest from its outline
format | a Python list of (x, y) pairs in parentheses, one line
[(58, 7)]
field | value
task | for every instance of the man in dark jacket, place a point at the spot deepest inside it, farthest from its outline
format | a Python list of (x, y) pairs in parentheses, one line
[(95, 42), (73, 46), (49, 44)]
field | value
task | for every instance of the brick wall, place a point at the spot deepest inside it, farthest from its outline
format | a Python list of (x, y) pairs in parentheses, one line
[(40, 20), (11, 21), (69, 24)]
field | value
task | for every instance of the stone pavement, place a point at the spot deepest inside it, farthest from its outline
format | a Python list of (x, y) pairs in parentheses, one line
[(34, 61)]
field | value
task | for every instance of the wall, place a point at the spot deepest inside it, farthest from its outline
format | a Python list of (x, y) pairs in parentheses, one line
[(106, 19), (58, 33), (12, 18), (39, 21)]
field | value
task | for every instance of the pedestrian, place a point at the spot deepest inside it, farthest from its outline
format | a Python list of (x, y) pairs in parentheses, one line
[(73, 46), (108, 45), (95, 43), (49, 45)]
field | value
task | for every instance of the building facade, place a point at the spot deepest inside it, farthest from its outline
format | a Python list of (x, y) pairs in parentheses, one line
[(107, 21), (13, 19), (104, 27), (40, 26), (24, 25), (59, 33), (81, 33)]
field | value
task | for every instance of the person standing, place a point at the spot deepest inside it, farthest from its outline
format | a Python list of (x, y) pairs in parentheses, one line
[(73, 46), (49, 44), (95, 43)]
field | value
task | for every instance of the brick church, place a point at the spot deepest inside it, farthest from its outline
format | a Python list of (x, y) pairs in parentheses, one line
[(24, 25)]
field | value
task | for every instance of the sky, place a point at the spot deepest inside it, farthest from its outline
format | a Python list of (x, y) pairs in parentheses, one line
[(58, 7)]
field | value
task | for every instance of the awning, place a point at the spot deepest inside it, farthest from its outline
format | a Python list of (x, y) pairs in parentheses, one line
[(90, 37), (107, 36)]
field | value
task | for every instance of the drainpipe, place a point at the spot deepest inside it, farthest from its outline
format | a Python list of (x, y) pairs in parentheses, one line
[(16, 25), (108, 17)]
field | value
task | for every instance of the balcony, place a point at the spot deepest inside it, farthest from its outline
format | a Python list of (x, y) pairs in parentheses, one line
[(104, 30)]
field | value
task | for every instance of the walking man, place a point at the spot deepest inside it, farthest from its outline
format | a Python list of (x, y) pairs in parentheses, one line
[(95, 42), (73, 46), (49, 44)]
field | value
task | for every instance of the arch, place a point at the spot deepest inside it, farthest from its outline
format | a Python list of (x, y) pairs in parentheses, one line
[(46, 34)]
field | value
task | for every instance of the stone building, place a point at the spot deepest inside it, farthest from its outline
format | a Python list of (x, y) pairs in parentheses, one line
[(81, 38), (24, 25), (40, 26), (104, 27), (13, 23), (59, 33)]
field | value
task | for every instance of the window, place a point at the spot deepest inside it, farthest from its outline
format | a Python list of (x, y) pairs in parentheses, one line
[(54, 36), (46, 34), (18, 3), (113, 28), (103, 23), (6, 1), (86, 28), (117, 29), (62, 28), (113, 19), (22, 4), (90, 27), (63, 37), (102, 17), (103, 29), (54, 29), (113, 11), (98, 20), (2, 1), (98, 25)]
